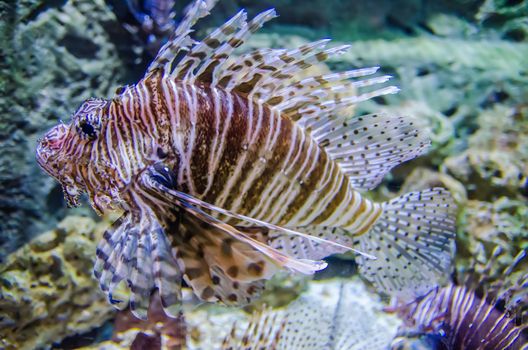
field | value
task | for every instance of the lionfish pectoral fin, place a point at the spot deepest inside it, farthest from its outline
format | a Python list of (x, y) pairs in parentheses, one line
[(216, 266), (135, 250), (194, 206)]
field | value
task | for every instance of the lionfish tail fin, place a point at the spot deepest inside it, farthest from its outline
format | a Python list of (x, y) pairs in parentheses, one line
[(139, 254), (413, 241)]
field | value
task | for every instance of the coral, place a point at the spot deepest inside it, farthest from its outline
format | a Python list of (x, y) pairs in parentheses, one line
[(54, 55), (281, 290), (496, 161), (159, 324), (456, 77), (485, 225), (159, 330), (47, 291), (510, 18), (206, 326)]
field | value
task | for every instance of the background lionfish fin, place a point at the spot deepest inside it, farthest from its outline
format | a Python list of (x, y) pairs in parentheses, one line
[(304, 324), (263, 331), (138, 252), (368, 147), (311, 324), (180, 40), (413, 241)]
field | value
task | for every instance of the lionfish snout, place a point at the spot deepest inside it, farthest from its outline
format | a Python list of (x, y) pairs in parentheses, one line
[(49, 147)]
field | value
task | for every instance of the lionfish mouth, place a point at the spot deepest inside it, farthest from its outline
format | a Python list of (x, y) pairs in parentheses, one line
[(48, 157), (49, 147)]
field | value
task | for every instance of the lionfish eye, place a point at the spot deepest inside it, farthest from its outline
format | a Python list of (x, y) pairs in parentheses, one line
[(87, 129)]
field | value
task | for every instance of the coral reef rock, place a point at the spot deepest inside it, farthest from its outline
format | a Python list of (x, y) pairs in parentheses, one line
[(55, 54), (47, 291), (496, 161)]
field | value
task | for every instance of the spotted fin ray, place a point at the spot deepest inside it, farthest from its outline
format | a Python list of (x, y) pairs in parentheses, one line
[(217, 267), (414, 243), (366, 148), (138, 252), (369, 146)]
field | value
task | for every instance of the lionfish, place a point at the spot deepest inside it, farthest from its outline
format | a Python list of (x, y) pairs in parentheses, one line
[(473, 315), (229, 168)]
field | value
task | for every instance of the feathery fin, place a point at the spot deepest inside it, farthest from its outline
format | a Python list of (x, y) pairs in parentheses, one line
[(137, 250), (369, 146), (268, 76), (312, 324), (413, 241), (181, 40)]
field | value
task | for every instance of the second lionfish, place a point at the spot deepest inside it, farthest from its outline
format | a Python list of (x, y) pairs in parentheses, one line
[(229, 168)]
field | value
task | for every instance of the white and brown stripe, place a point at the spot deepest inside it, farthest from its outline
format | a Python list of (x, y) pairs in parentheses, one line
[(231, 152), (465, 320)]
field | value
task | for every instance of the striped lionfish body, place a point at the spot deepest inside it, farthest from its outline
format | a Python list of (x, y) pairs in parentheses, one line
[(230, 168), (244, 157), (465, 316)]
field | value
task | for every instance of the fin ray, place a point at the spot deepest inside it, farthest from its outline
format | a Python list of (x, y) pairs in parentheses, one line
[(368, 147), (414, 243)]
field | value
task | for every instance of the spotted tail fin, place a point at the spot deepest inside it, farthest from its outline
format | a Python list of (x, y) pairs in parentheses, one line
[(413, 242)]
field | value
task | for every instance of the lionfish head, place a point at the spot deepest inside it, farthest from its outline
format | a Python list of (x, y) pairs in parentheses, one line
[(64, 148)]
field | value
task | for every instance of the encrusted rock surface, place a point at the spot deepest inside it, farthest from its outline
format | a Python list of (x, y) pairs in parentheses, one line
[(47, 290), (496, 160), (55, 54)]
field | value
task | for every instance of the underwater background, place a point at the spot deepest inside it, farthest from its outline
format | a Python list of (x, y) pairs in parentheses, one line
[(462, 69)]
